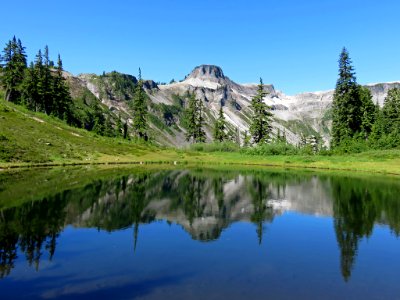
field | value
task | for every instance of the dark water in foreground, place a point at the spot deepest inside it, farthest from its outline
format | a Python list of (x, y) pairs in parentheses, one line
[(206, 235)]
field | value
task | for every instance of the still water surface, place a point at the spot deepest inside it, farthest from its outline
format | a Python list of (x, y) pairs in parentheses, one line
[(201, 234)]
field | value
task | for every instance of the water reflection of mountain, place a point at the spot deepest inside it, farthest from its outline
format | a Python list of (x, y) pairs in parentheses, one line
[(204, 203)]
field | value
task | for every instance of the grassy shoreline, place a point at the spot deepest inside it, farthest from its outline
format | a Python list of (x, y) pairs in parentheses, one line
[(34, 140), (364, 162)]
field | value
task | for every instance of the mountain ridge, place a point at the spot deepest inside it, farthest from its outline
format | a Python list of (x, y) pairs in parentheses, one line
[(297, 116)]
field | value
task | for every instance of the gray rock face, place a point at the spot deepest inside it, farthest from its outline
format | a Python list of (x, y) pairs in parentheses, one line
[(208, 72), (380, 90), (302, 114)]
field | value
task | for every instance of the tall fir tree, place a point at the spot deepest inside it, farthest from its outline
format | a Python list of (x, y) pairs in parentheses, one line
[(391, 117), (377, 128), (201, 135), (108, 128), (220, 127), (125, 131), (260, 127), (13, 63), (194, 115), (98, 119), (62, 100), (119, 127), (191, 118), (47, 81), (368, 111), (41, 87), (29, 88), (140, 110), (391, 110), (346, 107)]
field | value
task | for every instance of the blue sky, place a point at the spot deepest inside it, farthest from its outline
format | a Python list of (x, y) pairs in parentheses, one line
[(291, 44)]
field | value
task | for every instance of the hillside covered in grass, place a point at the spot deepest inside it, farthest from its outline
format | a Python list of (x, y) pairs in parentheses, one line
[(30, 137)]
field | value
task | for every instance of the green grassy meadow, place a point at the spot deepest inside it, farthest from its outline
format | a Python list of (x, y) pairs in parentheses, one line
[(34, 139)]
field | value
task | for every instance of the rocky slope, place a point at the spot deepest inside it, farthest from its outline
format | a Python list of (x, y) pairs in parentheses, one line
[(298, 115)]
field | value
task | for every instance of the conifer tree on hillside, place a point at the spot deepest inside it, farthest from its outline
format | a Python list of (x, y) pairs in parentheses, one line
[(60, 93), (346, 107), (98, 119), (30, 88), (377, 128), (391, 116), (368, 111), (13, 63), (125, 129), (260, 127), (108, 128), (41, 87), (140, 110), (194, 115), (220, 127), (119, 127), (191, 118), (47, 83), (201, 135)]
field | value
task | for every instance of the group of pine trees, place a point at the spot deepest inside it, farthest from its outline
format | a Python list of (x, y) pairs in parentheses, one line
[(40, 87), (139, 105), (356, 119), (260, 128), (195, 120)]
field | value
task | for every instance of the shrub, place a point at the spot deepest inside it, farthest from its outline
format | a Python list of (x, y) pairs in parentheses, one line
[(278, 148), (215, 147)]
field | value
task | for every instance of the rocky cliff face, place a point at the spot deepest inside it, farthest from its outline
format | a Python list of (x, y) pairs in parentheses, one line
[(302, 114)]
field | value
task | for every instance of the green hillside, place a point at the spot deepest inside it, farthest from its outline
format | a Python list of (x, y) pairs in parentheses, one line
[(29, 137)]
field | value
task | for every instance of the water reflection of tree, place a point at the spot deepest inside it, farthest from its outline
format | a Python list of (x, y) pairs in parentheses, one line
[(358, 204), (8, 249), (259, 194), (127, 200), (137, 198), (34, 227)]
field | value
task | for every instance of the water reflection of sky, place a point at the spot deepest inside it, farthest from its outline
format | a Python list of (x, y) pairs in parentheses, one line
[(298, 257), (204, 235)]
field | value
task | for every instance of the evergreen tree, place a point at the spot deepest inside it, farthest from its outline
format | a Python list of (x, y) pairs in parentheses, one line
[(377, 128), (195, 120), (346, 108), (13, 63), (391, 117), (47, 82), (260, 128), (200, 133), (191, 118), (368, 111), (118, 127), (391, 110), (41, 87), (126, 135), (29, 88), (220, 126), (108, 128), (98, 119), (62, 99), (140, 110)]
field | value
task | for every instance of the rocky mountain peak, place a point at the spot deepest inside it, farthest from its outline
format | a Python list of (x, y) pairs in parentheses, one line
[(207, 72)]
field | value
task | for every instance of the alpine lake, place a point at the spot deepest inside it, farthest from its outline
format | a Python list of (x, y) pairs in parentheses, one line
[(156, 232)]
